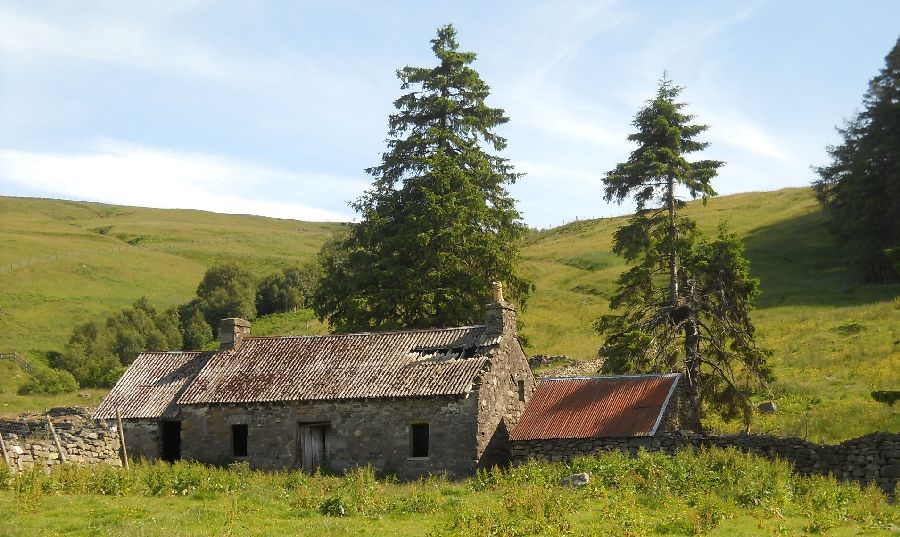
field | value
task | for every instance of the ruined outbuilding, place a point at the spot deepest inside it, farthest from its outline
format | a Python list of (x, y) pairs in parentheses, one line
[(409, 402)]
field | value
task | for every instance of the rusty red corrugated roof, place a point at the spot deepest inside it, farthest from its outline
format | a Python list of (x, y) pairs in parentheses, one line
[(594, 407), (353, 366), (151, 384)]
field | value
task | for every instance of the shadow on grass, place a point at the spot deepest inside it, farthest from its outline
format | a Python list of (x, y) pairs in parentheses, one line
[(799, 262)]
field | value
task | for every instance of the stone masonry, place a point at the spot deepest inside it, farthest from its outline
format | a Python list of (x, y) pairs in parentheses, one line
[(503, 390), (82, 440), (360, 432)]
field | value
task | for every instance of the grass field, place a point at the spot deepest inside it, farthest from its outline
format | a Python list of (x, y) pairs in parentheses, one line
[(719, 492), (835, 341)]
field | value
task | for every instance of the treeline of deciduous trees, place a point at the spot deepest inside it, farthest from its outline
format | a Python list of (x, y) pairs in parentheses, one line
[(98, 352)]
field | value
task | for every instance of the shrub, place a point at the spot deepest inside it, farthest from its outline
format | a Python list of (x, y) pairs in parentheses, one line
[(288, 290), (97, 353), (335, 506), (49, 381)]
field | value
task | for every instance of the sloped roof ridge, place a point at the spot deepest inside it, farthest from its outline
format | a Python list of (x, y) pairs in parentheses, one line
[(174, 352), (602, 377), (377, 333)]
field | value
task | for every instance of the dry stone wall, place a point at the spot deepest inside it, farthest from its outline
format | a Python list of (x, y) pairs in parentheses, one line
[(873, 458), (29, 443)]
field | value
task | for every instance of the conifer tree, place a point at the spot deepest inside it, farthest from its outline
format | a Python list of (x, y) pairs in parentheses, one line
[(861, 185), (684, 303), (437, 225)]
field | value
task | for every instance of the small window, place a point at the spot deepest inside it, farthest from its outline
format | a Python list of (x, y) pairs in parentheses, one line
[(239, 440), (521, 390), (419, 439)]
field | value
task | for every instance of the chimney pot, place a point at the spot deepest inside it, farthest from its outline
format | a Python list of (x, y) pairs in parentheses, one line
[(497, 287), (501, 316)]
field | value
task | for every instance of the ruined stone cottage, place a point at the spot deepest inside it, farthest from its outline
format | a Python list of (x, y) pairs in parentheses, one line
[(409, 402)]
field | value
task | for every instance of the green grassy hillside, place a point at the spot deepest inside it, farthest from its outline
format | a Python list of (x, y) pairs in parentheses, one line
[(63, 263), (835, 341)]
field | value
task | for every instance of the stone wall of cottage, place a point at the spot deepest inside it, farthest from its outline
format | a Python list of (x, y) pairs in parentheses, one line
[(143, 438), (873, 458), (501, 401), (83, 441), (370, 431)]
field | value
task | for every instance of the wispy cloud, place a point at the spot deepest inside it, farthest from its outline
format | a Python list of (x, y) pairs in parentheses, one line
[(132, 39), (154, 40), (118, 172), (537, 95), (748, 136)]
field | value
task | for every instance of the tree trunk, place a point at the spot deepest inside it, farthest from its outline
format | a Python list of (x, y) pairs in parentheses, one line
[(691, 418), (673, 236)]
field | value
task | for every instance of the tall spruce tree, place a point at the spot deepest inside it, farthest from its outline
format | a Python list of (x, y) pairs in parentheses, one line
[(437, 225), (684, 303), (861, 185)]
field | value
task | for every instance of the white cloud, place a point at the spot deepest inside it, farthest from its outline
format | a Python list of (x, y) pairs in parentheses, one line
[(565, 121), (116, 172), (744, 134), (116, 38)]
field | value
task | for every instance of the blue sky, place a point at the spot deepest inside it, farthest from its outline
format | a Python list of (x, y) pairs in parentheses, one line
[(275, 108)]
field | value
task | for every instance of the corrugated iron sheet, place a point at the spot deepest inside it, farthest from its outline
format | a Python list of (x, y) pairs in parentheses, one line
[(152, 383), (354, 366), (594, 407)]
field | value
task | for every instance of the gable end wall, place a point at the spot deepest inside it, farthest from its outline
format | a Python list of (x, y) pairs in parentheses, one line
[(498, 398)]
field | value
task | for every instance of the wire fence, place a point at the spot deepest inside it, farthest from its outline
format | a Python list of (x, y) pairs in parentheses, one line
[(21, 362)]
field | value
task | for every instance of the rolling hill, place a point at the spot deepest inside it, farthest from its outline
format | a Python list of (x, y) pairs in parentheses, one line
[(63, 263)]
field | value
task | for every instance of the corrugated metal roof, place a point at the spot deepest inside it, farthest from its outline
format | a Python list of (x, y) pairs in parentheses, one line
[(593, 407), (151, 384), (353, 366)]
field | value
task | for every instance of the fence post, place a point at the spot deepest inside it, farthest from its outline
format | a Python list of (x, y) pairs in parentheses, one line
[(122, 439), (5, 454), (59, 450)]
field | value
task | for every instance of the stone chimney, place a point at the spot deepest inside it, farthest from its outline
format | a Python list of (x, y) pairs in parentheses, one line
[(501, 315), (231, 332)]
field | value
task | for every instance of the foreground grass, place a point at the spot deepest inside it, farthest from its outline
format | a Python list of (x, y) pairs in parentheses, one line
[(719, 492)]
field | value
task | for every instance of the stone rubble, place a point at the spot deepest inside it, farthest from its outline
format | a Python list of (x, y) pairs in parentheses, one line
[(83, 441)]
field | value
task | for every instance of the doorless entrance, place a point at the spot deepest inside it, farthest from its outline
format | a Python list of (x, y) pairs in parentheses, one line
[(171, 440)]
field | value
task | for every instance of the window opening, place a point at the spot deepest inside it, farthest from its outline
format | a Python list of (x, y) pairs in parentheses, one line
[(419, 433), (521, 390), (239, 440)]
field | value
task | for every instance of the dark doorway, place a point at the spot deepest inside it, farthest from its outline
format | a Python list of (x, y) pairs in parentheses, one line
[(171, 440), (239, 440)]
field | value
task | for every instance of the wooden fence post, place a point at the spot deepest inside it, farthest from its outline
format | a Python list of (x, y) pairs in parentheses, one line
[(3, 449), (59, 449), (121, 431)]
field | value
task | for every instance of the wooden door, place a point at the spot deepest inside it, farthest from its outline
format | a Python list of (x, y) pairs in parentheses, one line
[(313, 446)]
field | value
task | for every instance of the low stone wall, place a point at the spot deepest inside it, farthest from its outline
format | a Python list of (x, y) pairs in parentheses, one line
[(874, 458), (29, 442)]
